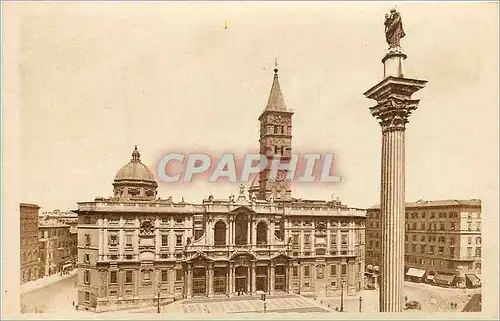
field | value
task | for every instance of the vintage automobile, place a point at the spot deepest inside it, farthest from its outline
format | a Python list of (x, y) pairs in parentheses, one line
[(412, 305), (369, 287)]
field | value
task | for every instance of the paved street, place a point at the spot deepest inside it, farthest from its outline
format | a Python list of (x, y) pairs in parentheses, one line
[(57, 297), (432, 298)]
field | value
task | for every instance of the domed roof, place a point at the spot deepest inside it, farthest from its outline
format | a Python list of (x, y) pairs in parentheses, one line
[(135, 170)]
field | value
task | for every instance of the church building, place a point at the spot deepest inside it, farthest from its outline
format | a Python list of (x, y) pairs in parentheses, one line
[(135, 248)]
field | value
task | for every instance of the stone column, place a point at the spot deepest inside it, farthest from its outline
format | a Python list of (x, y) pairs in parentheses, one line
[(189, 282), (210, 279), (271, 231), (394, 106), (230, 240), (249, 230), (254, 234), (231, 279), (289, 281), (253, 278), (272, 277)]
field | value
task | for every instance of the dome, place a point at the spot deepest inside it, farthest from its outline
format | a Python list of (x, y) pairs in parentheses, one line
[(135, 170), (135, 180)]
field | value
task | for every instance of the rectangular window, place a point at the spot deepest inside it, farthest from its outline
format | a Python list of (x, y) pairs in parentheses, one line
[(422, 249), (112, 277), (114, 221), (441, 226), (469, 240), (478, 252), (295, 239), (128, 277), (295, 271), (87, 239), (422, 238), (333, 270), (164, 275), (343, 239), (307, 240), (164, 240), (306, 271), (87, 296), (128, 240), (178, 240), (146, 275), (113, 240), (86, 277), (344, 269), (86, 258), (478, 240), (452, 226), (441, 250), (431, 249), (179, 220), (112, 293), (178, 275)]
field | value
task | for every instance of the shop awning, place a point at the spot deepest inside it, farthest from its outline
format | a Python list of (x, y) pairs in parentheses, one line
[(415, 272), (446, 279), (473, 279)]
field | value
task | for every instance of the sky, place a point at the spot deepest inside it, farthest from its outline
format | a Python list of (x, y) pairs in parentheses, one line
[(98, 78)]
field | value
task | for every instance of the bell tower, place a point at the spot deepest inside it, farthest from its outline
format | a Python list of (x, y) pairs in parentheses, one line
[(275, 140)]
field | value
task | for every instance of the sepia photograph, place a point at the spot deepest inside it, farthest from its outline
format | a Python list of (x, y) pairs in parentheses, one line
[(250, 159)]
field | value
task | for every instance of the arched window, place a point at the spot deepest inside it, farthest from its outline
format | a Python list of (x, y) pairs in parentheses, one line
[(220, 233), (261, 233)]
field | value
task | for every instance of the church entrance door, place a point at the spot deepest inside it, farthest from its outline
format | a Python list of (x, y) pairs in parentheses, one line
[(241, 279), (199, 281)]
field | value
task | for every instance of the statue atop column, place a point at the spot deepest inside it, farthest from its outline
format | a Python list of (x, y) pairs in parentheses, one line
[(393, 28)]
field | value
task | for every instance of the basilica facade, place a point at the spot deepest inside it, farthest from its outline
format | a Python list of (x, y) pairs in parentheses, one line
[(136, 249)]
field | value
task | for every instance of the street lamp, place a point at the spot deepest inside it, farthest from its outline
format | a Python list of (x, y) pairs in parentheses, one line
[(342, 296), (360, 300)]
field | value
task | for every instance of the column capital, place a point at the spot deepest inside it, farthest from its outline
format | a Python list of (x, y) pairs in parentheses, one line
[(393, 113), (394, 103)]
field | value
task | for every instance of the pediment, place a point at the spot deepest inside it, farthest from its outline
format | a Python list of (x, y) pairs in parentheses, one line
[(243, 209)]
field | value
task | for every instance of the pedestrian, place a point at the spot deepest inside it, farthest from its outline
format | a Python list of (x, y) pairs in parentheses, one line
[(73, 303), (452, 305)]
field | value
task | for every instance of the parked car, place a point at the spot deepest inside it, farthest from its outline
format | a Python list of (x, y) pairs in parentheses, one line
[(369, 287), (412, 305)]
